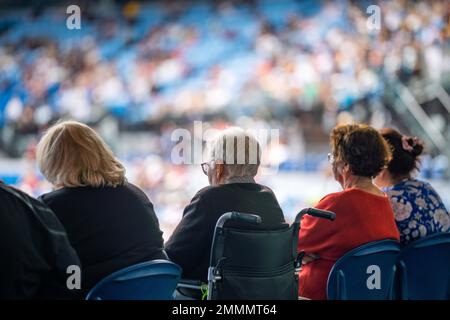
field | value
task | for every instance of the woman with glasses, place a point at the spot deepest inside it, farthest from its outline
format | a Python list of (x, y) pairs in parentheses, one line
[(231, 170), (363, 212)]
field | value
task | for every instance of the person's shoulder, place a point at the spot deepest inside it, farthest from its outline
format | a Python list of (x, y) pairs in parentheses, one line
[(427, 190), (333, 197), (55, 195), (133, 191), (342, 198), (8, 191), (28, 202), (267, 191), (329, 201), (264, 188), (201, 200), (129, 187), (411, 185), (209, 191), (410, 188), (12, 192), (212, 193), (422, 184), (219, 190)]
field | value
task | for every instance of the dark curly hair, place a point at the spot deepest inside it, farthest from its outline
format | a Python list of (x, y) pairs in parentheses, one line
[(404, 161), (362, 147)]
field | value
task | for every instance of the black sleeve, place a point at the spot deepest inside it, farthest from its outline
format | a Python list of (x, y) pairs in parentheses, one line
[(63, 254), (11, 250), (35, 251), (156, 233), (192, 237)]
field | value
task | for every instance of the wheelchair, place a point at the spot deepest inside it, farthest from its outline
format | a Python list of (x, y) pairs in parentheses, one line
[(249, 264)]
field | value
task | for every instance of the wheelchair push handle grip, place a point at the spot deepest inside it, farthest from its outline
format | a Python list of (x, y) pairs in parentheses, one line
[(245, 217), (324, 214)]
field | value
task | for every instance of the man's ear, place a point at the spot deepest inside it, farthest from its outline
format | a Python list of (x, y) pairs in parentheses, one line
[(219, 171)]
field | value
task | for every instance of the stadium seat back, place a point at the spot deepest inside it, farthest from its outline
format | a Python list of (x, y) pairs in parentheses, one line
[(424, 269), (365, 273), (152, 280)]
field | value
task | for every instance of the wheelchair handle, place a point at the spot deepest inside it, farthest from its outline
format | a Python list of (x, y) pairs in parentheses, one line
[(324, 214), (246, 217), (240, 217)]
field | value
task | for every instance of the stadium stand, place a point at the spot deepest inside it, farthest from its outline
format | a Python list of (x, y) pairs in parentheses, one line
[(138, 70)]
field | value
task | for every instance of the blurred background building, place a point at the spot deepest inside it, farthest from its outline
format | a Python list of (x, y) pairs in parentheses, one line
[(137, 70)]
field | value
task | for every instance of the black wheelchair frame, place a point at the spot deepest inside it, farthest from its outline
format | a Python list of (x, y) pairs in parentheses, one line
[(283, 266)]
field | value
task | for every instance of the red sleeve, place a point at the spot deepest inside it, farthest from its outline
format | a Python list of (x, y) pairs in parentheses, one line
[(316, 234)]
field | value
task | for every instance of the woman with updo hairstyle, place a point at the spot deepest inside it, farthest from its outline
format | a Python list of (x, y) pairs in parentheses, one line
[(363, 212), (418, 209)]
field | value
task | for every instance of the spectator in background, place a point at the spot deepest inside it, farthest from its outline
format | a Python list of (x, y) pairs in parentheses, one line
[(34, 250), (232, 188), (418, 209), (110, 222), (363, 212)]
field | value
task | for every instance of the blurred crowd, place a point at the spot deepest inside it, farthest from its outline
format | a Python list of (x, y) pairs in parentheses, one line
[(298, 66), (144, 62)]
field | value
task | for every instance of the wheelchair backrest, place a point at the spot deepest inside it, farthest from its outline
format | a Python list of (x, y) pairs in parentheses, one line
[(255, 264)]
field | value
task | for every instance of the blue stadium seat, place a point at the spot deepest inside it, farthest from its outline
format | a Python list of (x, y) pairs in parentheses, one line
[(152, 280), (424, 269), (365, 273)]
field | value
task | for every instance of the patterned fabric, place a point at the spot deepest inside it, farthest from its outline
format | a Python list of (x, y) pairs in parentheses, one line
[(418, 210)]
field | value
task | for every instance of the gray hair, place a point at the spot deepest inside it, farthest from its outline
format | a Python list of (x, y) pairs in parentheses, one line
[(238, 150)]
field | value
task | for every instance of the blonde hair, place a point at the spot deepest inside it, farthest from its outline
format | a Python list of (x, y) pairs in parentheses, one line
[(71, 154)]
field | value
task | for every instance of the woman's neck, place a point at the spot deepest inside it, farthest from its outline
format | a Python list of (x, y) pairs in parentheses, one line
[(358, 182), (362, 183), (396, 180)]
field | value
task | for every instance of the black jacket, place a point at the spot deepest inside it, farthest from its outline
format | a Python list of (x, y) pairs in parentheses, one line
[(190, 244), (110, 228), (34, 250)]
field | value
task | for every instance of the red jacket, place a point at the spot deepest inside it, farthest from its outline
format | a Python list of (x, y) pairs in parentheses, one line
[(361, 217)]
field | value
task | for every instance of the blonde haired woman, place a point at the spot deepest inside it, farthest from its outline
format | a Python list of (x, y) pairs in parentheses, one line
[(110, 222)]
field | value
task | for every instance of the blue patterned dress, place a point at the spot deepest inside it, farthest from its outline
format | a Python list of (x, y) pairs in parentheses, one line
[(418, 210)]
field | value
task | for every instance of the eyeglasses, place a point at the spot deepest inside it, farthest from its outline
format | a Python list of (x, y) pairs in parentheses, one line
[(205, 167), (331, 158)]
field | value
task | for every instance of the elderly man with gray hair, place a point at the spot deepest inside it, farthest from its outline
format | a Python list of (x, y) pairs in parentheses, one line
[(234, 158)]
